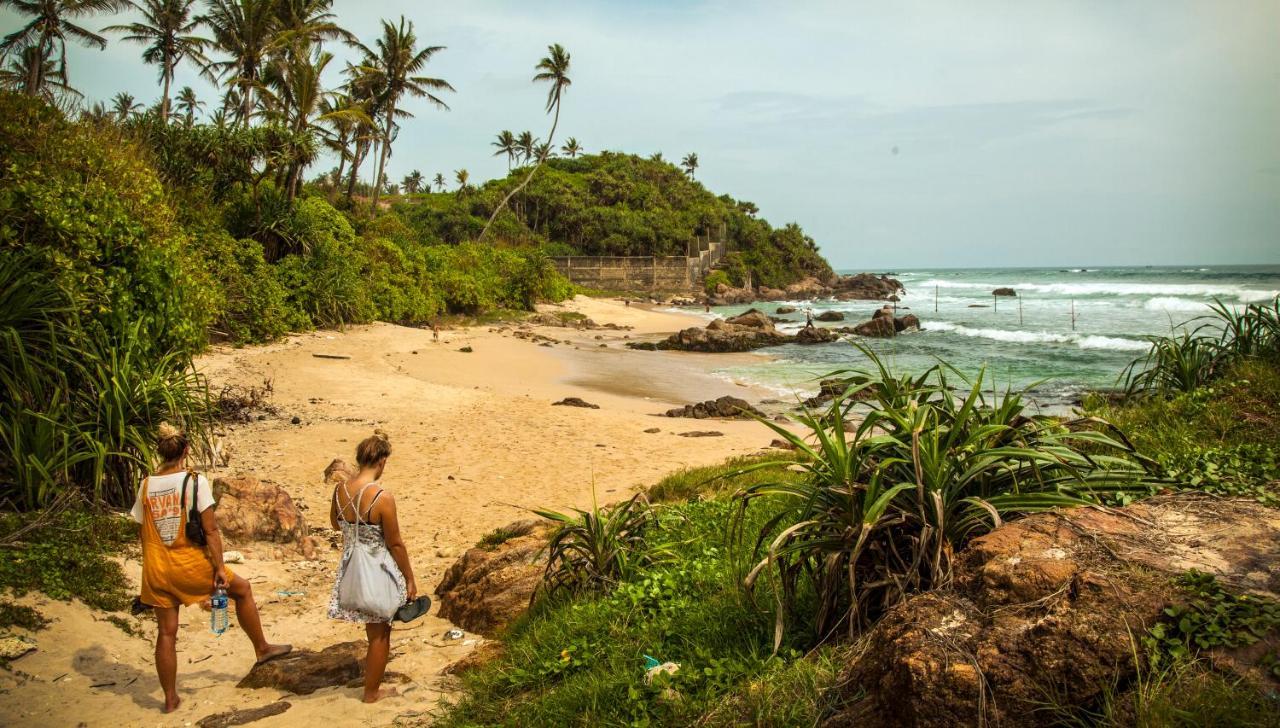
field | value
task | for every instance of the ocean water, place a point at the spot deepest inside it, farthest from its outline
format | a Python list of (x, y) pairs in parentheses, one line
[(1024, 342)]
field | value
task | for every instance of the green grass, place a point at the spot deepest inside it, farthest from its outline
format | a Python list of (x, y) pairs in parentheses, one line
[(19, 615), (718, 479), (580, 660), (68, 555)]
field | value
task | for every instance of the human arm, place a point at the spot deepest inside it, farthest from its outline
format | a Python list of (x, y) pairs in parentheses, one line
[(385, 509), (213, 547), (333, 510)]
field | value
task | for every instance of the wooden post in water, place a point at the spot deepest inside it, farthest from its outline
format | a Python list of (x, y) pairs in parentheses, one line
[(1073, 314), (1019, 310), (935, 299), (995, 303)]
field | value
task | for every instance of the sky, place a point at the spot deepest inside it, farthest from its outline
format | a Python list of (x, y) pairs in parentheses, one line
[(897, 134)]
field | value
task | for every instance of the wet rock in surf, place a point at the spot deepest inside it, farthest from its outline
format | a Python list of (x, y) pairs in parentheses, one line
[(830, 316), (1004, 292)]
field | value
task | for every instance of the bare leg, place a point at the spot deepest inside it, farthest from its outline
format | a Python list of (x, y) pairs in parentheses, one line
[(375, 662), (167, 655), (251, 622)]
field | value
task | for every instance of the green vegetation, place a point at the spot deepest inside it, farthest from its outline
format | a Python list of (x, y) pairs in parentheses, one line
[(64, 553), (1212, 617), (596, 549)]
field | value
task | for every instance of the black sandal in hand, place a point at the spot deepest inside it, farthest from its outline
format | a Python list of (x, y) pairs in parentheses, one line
[(413, 609)]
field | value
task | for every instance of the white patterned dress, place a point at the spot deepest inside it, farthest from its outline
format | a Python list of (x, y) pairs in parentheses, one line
[(371, 540)]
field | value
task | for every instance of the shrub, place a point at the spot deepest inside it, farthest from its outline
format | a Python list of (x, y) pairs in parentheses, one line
[(883, 510), (598, 548), (715, 279)]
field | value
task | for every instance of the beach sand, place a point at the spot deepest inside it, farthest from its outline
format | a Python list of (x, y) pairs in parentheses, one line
[(476, 442)]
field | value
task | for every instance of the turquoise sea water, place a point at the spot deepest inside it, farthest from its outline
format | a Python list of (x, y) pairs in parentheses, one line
[(1115, 309)]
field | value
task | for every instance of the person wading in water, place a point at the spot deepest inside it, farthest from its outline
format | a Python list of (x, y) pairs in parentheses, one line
[(177, 572)]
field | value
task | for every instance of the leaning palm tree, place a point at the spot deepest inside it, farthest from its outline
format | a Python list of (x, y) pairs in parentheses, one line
[(462, 176), (571, 148), (554, 67), (438, 181), (412, 182), (506, 144), (246, 32), (168, 32), (690, 163), (47, 30), (187, 104), (124, 106), (394, 63)]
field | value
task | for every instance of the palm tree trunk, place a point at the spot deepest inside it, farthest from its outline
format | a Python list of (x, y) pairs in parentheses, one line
[(356, 159), (164, 96), (383, 153), (550, 137)]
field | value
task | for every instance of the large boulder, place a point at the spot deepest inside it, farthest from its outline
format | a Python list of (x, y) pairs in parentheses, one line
[(807, 288), (250, 510), (830, 316), (487, 588), (764, 293), (751, 318), (880, 327), (1004, 292), (815, 335), (726, 407), (906, 323), (303, 672), (1050, 605)]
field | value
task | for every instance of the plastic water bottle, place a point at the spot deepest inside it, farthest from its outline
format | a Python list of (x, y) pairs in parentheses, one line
[(218, 621)]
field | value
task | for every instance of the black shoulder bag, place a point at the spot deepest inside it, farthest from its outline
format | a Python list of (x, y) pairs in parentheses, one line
[(194, 527)]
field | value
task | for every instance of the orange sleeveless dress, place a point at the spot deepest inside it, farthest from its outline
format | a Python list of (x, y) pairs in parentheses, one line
[(176, 574)]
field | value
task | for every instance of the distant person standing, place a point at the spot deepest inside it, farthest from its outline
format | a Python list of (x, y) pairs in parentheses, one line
[(176, 572), (435, 331)]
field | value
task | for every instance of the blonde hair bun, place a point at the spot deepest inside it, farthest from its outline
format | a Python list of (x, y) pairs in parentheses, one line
[(167, 431)]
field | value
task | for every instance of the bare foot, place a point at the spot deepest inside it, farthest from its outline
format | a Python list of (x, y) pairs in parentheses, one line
[(171, 705), (272, 652), (382, 693)]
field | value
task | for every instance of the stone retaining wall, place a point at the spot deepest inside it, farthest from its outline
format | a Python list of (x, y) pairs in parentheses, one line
[(630, 273)]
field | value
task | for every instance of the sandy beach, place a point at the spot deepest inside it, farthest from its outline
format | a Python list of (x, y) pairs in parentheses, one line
[(476, 442)]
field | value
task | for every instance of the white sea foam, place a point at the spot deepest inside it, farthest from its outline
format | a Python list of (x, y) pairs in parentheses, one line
[(1172, 303), (1240, 293), (1114, 343)]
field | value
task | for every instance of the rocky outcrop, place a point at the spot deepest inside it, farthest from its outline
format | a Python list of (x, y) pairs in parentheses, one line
[(1050, 605), (1007, 292), (883, 324), (303, 672), (726, 407), (485, 589), (250, 510), (750, 330), (830, 316), (866, 287), (785, 310)]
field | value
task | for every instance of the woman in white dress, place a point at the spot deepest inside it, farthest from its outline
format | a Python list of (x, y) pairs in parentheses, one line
[(366, 514)]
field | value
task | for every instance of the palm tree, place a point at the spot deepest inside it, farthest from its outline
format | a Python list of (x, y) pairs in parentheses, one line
[(571, 147), (14, 76), (301, 26), (554, 67), (394, 64), (167, 30), (525, 145), (690, 163), (49, 27), (412, 182), (296, 85), (245, 30), (462, 176), (124, 106), (187, 103), (543, 152), (438, 180), (506, 144)]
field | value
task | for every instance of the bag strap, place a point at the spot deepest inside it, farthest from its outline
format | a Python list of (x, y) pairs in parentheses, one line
[(192, 514)]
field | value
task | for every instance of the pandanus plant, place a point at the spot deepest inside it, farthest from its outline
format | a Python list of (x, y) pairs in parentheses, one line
[(887, 500)]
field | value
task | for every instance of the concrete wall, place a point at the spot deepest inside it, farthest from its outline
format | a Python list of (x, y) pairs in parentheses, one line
[(628, 273)]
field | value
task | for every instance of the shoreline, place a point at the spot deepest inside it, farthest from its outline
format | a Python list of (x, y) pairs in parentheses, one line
[(476, 442)]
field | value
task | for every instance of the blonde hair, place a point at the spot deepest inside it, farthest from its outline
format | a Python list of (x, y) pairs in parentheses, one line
[(372, 449), (171, 441)]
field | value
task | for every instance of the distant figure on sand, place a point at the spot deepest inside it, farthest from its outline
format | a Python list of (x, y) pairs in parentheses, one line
[(366, 514), (435, 331), (177, 572)]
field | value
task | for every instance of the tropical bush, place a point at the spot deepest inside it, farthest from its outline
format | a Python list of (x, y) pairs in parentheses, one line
[(887, 502), (597, 548), (1195, 357)]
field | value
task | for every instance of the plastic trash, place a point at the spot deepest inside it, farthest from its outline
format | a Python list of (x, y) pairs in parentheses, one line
[(218, 617), (454, 634), (650, 663)]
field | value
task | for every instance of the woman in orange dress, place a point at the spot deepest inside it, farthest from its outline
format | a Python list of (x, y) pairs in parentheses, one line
[(177, 572)]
